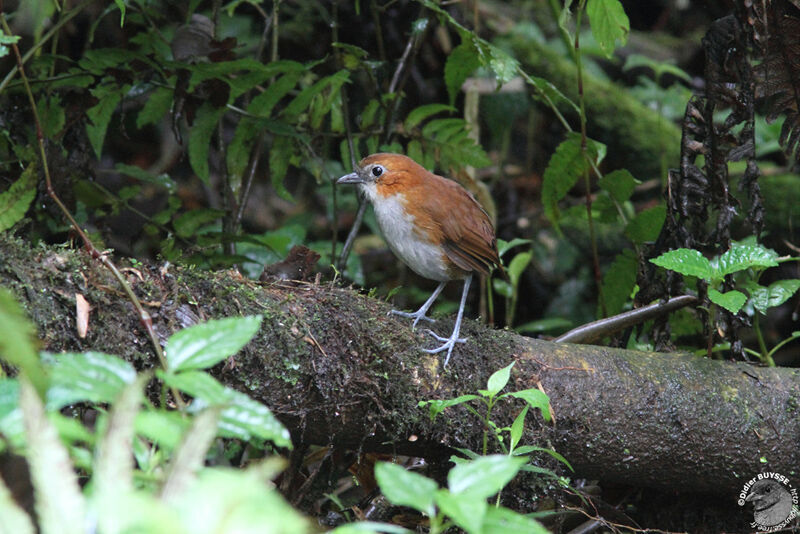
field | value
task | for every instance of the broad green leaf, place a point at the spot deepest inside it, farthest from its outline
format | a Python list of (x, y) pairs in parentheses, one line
[(165, 428), (741, 257), (620, 184), (155, 107), (205, 123), (437, 406), (242, 417), (503, 65), (502, 288), (17, 341), (461, 63), (688, 262), (143, 175), (659, 67), (263, 103), (421, 113), (86, 377), (60, 505), (466, 511), (15, 201), (372, 527), (776, 294), (500, 519), (619, 280), (405, 488), (732, 300), (646, 225), (504, 246), (300, 103), (204, 345), (498, 380), (609, 24), (485, 476), (536, 399), (51, 115), (100, 115), (566, 165), (518, 264), (517, 427), (189, 456)]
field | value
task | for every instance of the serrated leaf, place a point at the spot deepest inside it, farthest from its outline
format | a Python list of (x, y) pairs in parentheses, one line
[(688, 262), (436, 406), (60, 506), (406, 488), (732, 300), (86, 377), (620, 184), (205, 123), (466, 512), (502, 64), (548, 93), (51, 115), (566, 165), (646, 225), (15, 201), (242, 417), (609, 24), (741, 257), (421, 113), (498, 380), (155, 107), (100, 115), (485, 476), (279, 157), (776, 294), (303, 100), (204, 345), (536, 399), (619, 280), (263, 104), (461, 63)]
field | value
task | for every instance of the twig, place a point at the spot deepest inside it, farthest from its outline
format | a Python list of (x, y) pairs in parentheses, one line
[(144, 316)]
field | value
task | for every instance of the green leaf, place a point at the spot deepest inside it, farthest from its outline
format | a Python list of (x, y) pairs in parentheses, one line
[(17, 340), (242, 417), (498, 380), (566, 165), (503, 65), (466, 511), (165, 428), (536, 399), (406, 488), (461, 63), (15, 201), (187, 224), (485, 476), (204, 345), (619, 280), (155, 107), (303, 100), (263, 104), (504, 246), (86, 377), (517, 427), (60, 505), (518, 264), (659, 67), (732, 300), (609, 23), (100, 115), (205, 123), (11, 426), (741, 257), (776, 294), (548, 93), (619, 184), (279, 158), (15, 519), (421, 113), (646, 225), (51, 115), (688, 262), (500, 519), (143, 175), (436, 406)]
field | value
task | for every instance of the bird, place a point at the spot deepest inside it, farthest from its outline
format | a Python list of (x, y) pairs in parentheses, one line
[(432, 224), (772, 502)]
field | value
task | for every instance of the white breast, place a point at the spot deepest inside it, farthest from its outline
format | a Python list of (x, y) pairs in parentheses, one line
[(397, 227)]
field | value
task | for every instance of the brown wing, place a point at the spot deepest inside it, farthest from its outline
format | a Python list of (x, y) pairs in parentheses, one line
[(467, 233)]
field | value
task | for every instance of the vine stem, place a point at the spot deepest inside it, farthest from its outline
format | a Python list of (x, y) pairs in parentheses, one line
[(144, 316)]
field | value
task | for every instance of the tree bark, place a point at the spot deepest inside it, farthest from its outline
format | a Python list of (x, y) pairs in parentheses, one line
[(337, 370)]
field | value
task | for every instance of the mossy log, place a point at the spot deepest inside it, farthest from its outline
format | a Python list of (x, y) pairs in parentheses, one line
[(337, 370)]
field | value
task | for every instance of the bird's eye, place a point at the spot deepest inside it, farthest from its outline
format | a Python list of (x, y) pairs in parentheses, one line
[(377, 170)]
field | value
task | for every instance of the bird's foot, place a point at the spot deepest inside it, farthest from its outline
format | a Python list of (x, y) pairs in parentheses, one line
[(418, 316), (449, 343)]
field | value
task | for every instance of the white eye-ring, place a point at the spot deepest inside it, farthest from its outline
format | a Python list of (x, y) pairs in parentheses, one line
[(377, 170)]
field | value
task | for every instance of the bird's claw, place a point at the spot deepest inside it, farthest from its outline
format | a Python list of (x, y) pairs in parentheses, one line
[(417, 316), (449, 343)]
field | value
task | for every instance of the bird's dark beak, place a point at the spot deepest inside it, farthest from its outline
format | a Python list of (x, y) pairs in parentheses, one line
[(352, 178)]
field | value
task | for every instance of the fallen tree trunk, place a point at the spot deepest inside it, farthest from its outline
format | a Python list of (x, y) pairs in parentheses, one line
[(337, 370)]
